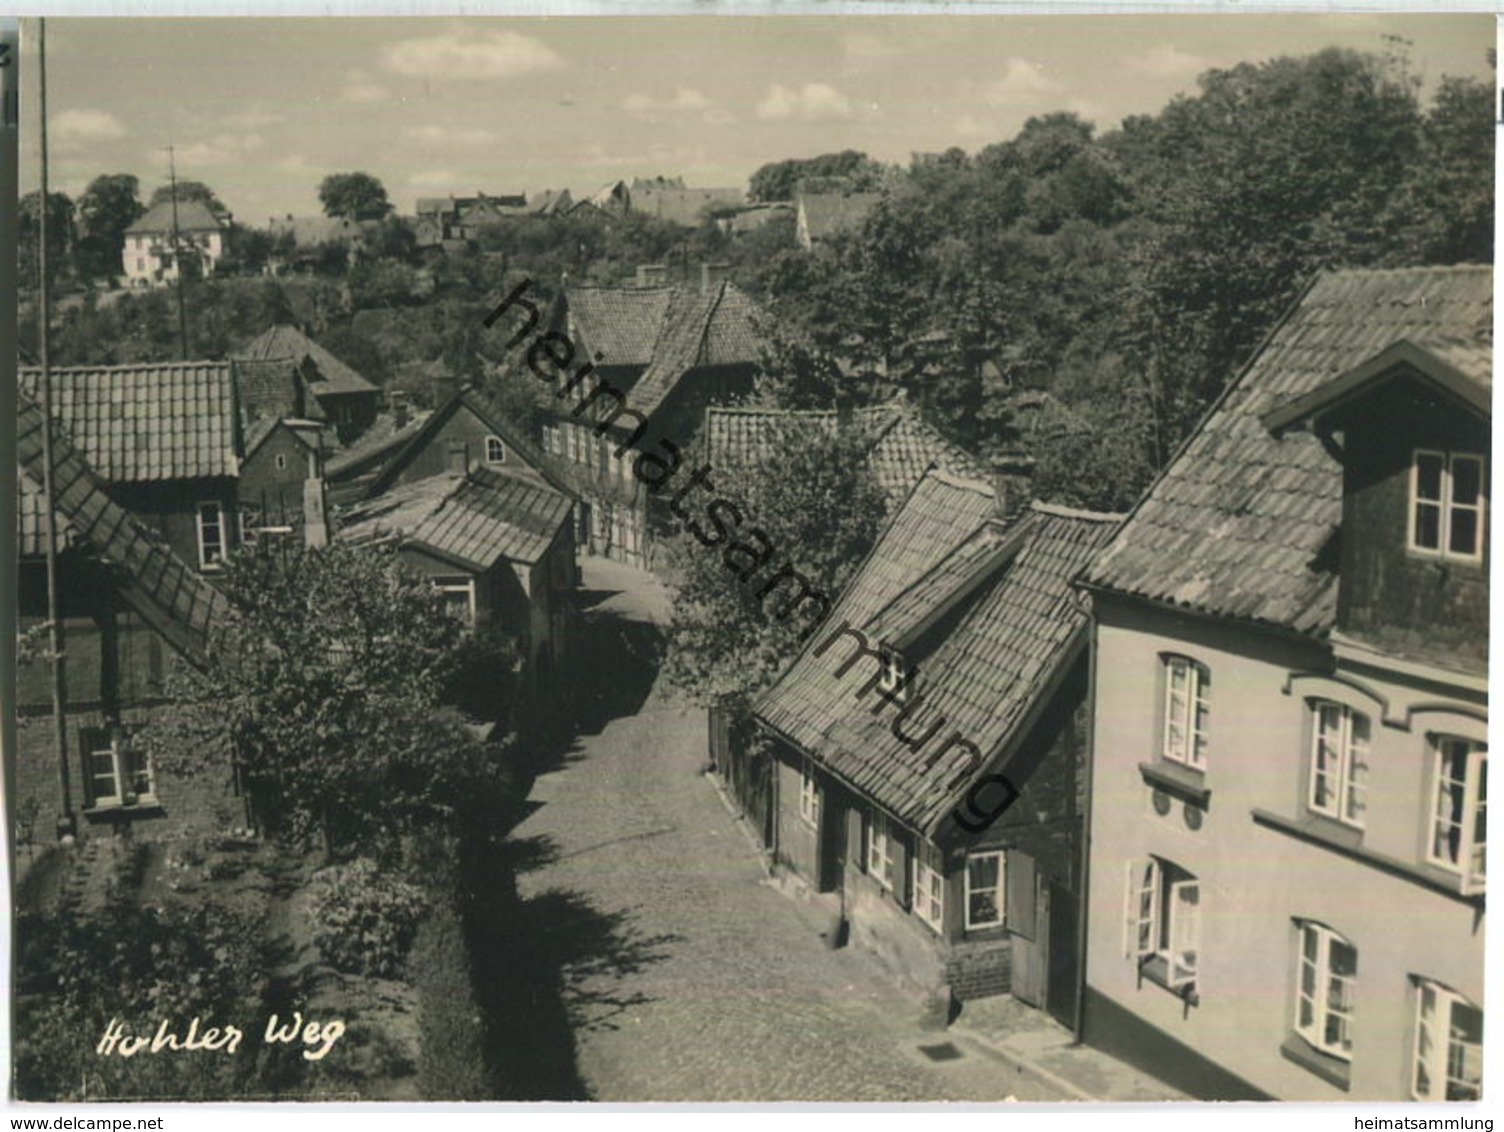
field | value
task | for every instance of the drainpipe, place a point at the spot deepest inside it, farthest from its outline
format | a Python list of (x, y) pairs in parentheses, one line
[(1078, 1021)]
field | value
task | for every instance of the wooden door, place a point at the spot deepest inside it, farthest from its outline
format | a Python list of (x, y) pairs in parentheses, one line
[(1028, 928)]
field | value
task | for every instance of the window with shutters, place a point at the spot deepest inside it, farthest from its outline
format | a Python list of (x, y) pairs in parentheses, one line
[(1448, 1063), (1459, 809), (984, 890), (1162, 923), (879, 855), (809, 796), (929, 885), (1447, 504)]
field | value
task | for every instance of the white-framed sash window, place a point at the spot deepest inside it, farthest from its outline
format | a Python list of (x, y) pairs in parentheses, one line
[(1340, 740), (984, 889), (1448, 1064), (211, 535), (1162, 920), (1187, 710), (929, 885), (809, 796), (1328, 975), (1459, 809), (880, 850), (1447, 501)]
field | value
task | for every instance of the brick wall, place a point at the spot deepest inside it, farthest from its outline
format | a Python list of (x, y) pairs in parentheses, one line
[(978, 970)]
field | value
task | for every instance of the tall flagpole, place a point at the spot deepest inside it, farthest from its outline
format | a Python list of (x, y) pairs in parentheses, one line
[(65, 824)]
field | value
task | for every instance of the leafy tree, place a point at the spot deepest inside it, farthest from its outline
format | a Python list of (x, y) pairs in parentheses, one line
[(327, 684), (814, 498), (187, 191), (59, 236), (358, 196), (109, 206), (849, 170)]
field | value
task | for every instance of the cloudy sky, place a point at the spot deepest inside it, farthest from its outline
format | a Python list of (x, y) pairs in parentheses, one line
[(261, 109)]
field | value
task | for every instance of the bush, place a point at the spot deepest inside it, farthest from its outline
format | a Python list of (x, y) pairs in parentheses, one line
[(451, 1058), (364, 920)]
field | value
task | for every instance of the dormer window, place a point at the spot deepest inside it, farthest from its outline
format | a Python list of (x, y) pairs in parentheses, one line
[(1446, 504)]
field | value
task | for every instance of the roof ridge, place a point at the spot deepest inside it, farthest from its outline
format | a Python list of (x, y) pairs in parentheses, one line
[(981, 487), (1064, 512)]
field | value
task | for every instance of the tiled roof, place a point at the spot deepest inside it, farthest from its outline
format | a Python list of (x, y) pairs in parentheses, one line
[(290, 342), (374, 444), (621, 323), (193, 216), (828, 213), (477, 519), (151, 421), (986, 677), (902, 445), (309, 230), (1235, 525), (170, 596), (699, 329)]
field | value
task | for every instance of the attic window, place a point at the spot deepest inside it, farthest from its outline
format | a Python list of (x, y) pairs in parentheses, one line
[(1446, 504), (496, 452)]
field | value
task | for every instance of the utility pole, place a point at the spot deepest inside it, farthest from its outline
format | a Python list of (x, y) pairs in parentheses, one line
[(65, 821), (177, 253)]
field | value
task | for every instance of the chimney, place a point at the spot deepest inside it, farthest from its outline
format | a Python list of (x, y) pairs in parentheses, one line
[(712, 275), (459, 458), (315, 513), (1012, 482)]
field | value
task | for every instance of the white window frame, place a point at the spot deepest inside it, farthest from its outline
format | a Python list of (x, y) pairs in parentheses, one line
[(1186, 711), (1324, 980), (500, 449), (280, 460), (999, 889), (1446, 505), (1471, 854), (809, 795), (455, 585), (879, 855), (205, 562), (929, 885), (1162, 919), (1445, 1066), (116, 753), (1339, 761)]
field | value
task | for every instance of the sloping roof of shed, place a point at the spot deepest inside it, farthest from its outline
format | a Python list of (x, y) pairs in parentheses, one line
[(285, 341)]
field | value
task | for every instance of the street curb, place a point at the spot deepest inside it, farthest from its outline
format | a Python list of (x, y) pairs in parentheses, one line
[(1020, 1063), (740, 820)]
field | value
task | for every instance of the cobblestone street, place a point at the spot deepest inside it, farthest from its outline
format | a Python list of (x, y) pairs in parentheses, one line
[(729, 993)]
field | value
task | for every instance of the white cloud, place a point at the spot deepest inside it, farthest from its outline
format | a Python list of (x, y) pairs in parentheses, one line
[(449, 135), (225, 149), (490, 55), (1022, 82), (812, 102), (685, 100), (364, 93), (85, 126), (1165, 62)]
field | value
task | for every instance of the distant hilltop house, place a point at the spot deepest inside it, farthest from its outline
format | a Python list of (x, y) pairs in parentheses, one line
[(823, 215), (451, 222), (153, 255), (689, 207), (309, 234)]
